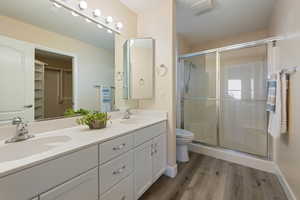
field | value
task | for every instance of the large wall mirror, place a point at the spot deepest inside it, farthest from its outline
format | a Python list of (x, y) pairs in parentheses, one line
[(139, 68), (52, 60)]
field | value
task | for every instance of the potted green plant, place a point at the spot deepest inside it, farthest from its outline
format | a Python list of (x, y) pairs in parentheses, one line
[(73, 113), (95, 120)]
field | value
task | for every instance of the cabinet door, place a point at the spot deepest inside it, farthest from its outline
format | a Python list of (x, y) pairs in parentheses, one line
[(122, 191), (84, 187), (143, 169), (159, 156)]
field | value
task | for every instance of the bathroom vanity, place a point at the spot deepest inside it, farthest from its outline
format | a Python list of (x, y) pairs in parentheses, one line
[(117, 163), (57, 71)]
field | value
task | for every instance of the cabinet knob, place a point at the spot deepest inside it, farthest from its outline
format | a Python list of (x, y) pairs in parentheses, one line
[(119, 171), (152, 149), (119, 147)]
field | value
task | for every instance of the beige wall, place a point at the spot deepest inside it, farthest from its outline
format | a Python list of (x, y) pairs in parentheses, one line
[(159, 24), (240, 38), (285, 22), (183, 47)]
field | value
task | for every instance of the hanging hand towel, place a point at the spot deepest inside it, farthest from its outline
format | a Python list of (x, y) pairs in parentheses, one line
[(271, 101), (284, 102)]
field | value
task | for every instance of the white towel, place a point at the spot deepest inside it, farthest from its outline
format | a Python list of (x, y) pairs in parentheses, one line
[(278, 120), (275, 117)]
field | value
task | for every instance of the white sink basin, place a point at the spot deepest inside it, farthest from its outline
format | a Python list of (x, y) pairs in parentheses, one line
[(20, 150)]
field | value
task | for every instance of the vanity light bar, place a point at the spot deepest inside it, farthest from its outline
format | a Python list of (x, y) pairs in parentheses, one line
[(110, 28)]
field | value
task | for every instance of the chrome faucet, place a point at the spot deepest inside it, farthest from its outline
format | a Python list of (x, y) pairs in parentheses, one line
[(127, 114), (21, 133)]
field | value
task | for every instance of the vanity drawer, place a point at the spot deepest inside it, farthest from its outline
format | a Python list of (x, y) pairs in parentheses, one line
[(143, 135), (115, 147), (112, 172), (30, 182), (122, 191), (82, 187)]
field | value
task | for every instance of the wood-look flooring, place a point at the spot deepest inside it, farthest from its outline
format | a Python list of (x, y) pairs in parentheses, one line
[(207, 178)]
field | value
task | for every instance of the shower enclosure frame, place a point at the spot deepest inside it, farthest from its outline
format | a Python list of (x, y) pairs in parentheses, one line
[(218, 52)]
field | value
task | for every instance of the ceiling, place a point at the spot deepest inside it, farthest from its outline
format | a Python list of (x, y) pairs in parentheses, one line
[(41, 13), (139, 6), (228, 18)]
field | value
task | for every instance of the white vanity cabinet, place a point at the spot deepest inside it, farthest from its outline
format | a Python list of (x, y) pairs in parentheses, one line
[(33, 181), (149, 164), (122, 168)]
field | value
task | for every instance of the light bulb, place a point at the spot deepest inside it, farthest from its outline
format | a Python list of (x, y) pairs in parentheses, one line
[(74, 14), (109, 20), (109, 31), (119, 25), (87, 20), (97, 13), (56, 5), (99, 26), (83, 5)]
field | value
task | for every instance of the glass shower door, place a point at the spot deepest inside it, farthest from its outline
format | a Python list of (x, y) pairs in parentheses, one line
[(243, 119), (199, 98)]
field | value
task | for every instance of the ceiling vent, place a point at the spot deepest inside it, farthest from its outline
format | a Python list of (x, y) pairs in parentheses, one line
[(198, 7), (202, 6)]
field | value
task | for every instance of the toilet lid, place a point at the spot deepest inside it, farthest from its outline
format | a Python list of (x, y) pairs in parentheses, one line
[(184, 133)]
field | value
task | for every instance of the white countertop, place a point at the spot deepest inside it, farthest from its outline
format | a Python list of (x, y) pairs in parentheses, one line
[(49, 145)]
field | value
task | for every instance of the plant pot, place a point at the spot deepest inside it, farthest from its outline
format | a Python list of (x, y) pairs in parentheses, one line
[(97, 125)]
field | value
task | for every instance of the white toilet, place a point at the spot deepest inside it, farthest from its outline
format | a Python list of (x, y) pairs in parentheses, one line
[(183, 139)]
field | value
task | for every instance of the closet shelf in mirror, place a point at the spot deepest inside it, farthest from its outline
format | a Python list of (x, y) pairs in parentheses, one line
[(39, 89)]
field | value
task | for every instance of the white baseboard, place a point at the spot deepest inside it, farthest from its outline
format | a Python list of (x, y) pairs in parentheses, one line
[(288, 191), (171, 171), (235, 157)]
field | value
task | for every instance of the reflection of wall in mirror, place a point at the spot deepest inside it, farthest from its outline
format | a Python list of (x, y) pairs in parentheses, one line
[(142, 70), (119, 64)]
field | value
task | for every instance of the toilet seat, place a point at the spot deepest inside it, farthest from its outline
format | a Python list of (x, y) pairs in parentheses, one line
[(184, 134)]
